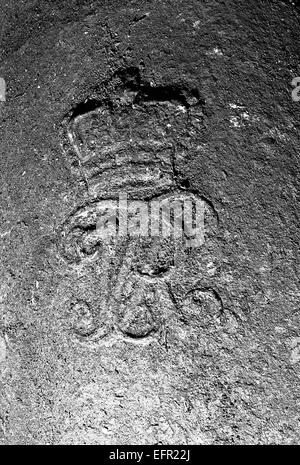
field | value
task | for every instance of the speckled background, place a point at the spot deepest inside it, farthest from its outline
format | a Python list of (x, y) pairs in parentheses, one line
[(223, 365)]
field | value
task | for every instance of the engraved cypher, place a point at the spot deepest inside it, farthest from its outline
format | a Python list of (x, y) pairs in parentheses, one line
[(128, 142)]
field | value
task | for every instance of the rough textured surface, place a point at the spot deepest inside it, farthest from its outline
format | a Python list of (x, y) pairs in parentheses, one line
[(116, 344)]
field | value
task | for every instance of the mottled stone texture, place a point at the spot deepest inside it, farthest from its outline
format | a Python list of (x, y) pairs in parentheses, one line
[(119, 343)]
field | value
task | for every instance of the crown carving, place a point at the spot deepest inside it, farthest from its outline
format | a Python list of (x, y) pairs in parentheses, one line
[(128, 140)]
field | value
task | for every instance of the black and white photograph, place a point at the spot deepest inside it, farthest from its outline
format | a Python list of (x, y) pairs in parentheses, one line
[(150, 230)]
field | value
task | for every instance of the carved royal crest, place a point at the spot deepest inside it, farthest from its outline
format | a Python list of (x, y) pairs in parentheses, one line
[(129, 142)]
